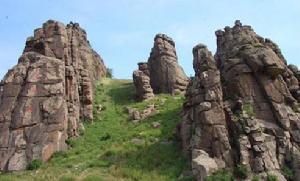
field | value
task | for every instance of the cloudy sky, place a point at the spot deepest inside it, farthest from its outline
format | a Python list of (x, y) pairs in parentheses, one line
[(122, 31)]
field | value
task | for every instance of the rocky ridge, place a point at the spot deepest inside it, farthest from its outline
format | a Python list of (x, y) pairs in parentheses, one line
[(162, 73), (47, 95), (242, 107)]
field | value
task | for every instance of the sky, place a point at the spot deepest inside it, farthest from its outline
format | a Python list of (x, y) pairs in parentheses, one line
[(122, 31)]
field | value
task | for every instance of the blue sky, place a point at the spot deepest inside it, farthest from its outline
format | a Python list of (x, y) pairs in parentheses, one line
[(122, 31)]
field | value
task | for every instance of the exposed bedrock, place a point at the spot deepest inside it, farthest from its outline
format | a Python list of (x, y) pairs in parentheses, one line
[(164, 72), (47, 95), (242, 107)]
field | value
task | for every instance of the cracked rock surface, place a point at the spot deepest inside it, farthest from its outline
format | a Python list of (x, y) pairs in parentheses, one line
[(47, 95), (162, 73), (242, 107)]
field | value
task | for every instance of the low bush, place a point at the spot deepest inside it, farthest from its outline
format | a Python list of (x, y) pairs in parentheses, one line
[(272, 178), (240, 172), (34, 165)]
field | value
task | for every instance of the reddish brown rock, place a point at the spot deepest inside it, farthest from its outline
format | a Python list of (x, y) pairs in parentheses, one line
[(166, 75), (259, 96), (203, 131), (45, 97), (141, 82), (162, 70)]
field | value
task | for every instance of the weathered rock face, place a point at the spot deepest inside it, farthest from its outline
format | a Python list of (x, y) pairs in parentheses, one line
[(204, 131), (166, 76), (246, 111), (164, 72), (141, 80), (46, 95)]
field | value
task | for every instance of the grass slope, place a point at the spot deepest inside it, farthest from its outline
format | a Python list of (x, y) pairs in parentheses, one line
[(106, 151)]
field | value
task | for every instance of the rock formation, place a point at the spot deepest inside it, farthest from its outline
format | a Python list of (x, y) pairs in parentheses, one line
[(47, 95), (141, 80), (166, 75), (242, 107)]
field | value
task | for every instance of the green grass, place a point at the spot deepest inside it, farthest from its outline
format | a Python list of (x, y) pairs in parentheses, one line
[(221, 175), (288, 173), (106, 152)]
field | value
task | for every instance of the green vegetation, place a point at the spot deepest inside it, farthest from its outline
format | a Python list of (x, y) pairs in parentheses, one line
[(34, 165), (106, 150), (288, 173), (255, 178), (272, 178), (248, 108), (241, 172), (222, 175), (109, 73), (258, 45)]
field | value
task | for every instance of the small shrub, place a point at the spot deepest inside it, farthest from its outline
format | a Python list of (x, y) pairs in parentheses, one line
[(272, 178), (70, 142), (69, 166), (258, 45), (240, 172), (222, 175), (177, 93), (109, 73), (105, 137), (248, 108), (288, 173), (34, 165)]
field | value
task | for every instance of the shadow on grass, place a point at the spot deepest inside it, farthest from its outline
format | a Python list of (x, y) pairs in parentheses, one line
[(122, 95)]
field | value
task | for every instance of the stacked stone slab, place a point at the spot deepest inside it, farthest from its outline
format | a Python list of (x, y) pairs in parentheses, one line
[(204, 115), (259, 96), (141, 80), (45, 97), (166, 75)]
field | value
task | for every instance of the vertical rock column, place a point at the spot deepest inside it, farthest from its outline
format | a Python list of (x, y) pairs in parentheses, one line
[(141, 82), (203, 130), (166, 76)]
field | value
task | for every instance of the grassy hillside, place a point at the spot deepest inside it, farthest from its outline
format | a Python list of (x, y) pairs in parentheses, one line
[(107, 151)]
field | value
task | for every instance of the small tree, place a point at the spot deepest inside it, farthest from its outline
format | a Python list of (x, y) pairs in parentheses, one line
[(109, 73)]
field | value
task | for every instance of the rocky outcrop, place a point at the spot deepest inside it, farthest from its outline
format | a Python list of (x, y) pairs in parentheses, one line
[(47, 95), (166, 75), (141, 80), (204, 130), (136, 116), (242, 107)]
